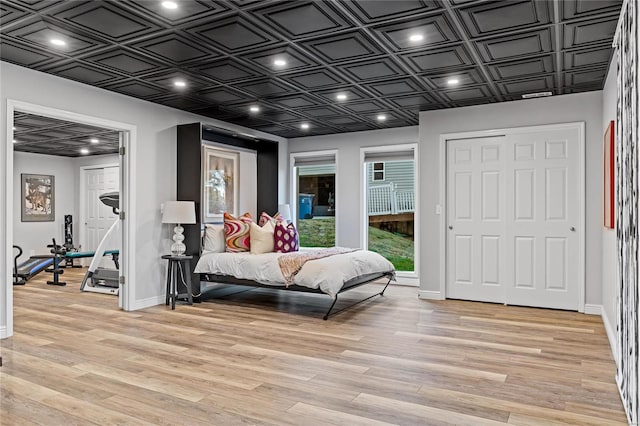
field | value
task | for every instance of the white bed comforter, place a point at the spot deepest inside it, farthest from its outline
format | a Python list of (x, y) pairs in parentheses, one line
[(328, 274)]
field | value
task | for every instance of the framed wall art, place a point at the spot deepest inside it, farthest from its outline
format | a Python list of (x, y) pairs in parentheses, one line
[(609, 176), (219, 184), (37, 193)]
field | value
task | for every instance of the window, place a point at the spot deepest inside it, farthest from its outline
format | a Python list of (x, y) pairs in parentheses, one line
[(314, 189), (390, 204), (378, 172)]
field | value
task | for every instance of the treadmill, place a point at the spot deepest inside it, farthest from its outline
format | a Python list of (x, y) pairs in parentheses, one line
[(104, 280)]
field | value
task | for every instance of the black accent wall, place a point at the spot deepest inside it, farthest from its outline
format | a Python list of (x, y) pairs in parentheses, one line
[(190, 138)]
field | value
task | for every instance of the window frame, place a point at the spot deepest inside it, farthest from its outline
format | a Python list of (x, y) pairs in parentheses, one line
[(374, 171)]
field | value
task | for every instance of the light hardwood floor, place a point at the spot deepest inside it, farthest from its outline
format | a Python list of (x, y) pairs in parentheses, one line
[(263, 357)]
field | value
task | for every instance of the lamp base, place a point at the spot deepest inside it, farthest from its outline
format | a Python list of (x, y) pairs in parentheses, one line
[(178, 248)]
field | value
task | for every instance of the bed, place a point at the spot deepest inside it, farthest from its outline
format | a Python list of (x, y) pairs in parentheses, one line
[(331, 275)]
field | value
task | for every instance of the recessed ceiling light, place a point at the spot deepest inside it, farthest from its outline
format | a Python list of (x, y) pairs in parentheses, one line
[(94, 140), (15, 141), (180, 83), (254, 108), (381, 117), (341, 97), (169, 5), (453, 81), (58, 42), (304, 126), (416, 37), (14, 128), (279, 62), (84, 151)]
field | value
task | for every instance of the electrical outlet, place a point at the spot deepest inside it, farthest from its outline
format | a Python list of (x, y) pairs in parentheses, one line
[(161, 208), (438, 209)]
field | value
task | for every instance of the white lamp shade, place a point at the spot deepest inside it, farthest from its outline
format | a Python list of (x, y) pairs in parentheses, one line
[(285, 211), (182, 212)]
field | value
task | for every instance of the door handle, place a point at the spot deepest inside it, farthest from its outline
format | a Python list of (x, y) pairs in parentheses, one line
[(450, 227), (572, 229)]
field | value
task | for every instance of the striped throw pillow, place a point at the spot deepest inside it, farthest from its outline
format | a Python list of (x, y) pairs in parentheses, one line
[(264, 218), (236, 233)]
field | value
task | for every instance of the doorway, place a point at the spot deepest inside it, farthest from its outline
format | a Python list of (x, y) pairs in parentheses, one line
[(514, 213), (125, 143)]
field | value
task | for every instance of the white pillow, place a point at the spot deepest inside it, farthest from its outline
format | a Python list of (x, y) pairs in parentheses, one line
[(261, 238), (214, 240)]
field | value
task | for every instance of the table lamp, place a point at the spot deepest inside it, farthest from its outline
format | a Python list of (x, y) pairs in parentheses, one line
[(285, 212), (179, 212)]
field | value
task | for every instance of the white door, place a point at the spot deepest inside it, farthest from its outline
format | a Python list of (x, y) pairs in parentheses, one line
[(513, 206), (476, 242), (98, 217), (543, 208)]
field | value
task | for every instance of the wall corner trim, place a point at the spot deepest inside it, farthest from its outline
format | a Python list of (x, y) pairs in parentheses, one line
[(590, 309), (148, 302), (430, 294)]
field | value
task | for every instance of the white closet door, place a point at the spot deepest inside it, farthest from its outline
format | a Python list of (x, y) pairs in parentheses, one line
[(476, 219), (514, 229), (98, 217), (543, 245)]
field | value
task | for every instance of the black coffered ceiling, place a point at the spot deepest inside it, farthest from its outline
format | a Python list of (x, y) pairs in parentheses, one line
[(44, 135), (224, 51)]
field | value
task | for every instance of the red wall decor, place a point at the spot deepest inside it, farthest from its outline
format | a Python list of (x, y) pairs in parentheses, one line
[(609, 176)]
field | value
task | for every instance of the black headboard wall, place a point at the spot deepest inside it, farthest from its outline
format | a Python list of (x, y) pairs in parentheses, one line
[(189, 157)]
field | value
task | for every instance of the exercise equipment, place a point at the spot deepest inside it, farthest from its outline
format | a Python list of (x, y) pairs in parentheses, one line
[(68, 244), (58, 253), (47, 262), (30, 267), (103, 280)]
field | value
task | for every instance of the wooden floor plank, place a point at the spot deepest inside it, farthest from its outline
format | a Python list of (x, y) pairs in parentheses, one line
[(263, 357)]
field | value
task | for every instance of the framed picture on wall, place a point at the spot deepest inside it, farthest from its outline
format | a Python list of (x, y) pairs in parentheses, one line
[(219, 184), (37, 193), (609, 176)]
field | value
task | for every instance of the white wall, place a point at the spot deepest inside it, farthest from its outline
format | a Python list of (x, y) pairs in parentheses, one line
[(609, 251), (348, 171), (33, 237), (585, 107), (155, 165)]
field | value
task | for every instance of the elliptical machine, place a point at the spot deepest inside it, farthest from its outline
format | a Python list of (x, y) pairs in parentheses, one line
[(103, 280)]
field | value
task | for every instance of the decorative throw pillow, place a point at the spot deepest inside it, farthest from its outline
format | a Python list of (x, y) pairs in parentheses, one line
[(264, 218), (285, 238), (261, 238), (236, 233), (214, 239)]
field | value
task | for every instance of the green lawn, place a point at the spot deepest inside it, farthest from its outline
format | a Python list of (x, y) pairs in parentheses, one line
[(395, 247)]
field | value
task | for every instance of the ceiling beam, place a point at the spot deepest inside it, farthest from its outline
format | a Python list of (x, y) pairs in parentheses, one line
[(557, 27), (471, 48)]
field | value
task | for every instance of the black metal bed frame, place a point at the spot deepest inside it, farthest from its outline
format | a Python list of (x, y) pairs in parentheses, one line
[(348, 285)]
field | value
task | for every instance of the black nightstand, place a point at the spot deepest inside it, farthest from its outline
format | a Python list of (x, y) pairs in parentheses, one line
[(178, 270)]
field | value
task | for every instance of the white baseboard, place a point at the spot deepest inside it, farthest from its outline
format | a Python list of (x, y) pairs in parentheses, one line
[(611, 334), (430, 294), (593, 309), (408, 281), (148, 302), (3, 332)]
